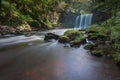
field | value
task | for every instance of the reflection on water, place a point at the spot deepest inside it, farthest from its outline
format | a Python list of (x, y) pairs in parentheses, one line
[(53, 61)]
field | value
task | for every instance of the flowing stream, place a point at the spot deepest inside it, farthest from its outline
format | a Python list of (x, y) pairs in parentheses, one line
[(31, 58)]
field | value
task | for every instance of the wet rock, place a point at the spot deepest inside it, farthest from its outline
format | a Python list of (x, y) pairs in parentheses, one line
[(96, 36), (83, 41), (92, 36), (91, 31), (98, 53), (49, 36), (89, 47), (75, 43), (64, 39)]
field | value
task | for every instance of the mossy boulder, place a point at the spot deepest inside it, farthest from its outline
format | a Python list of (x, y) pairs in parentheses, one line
[(98, 53), (96, 36), (75, 43), (90, 31), (64, 39), (89, 46), (83, 40), (92, 36), (74, 37), (49, 36), (72, 34)]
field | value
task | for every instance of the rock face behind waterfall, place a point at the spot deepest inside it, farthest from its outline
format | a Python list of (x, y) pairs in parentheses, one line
[(67, 20), (99, 16)]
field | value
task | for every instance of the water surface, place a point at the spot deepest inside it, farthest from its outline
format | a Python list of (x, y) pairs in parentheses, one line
[(33, 59)]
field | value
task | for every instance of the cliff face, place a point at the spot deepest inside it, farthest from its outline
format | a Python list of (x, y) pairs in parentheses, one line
[(99, 16), (67, 20)]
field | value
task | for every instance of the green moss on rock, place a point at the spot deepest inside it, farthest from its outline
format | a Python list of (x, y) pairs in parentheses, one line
[(89, 47), (97, 53), (75, 43), (64, 39), (117, 58), (73, 34)]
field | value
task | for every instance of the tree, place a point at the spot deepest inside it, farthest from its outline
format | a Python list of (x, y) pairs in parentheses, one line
[(0, 4)]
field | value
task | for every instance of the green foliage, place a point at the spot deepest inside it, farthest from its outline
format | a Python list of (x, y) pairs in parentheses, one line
[(35, 24), (77, 6), (35, 12), (108, 6), (117, 57)]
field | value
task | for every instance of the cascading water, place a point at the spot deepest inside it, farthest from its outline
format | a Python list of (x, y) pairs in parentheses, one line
[(83, 21), (77, 21)]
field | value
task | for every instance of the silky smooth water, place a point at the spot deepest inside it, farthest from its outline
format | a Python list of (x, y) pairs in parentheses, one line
[(40, 60), (83, 21)]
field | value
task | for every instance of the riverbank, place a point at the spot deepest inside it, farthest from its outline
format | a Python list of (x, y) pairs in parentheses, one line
[(4, 29), (20, 30)]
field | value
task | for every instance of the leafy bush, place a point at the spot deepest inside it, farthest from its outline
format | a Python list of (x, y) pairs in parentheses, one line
[(117, 57), (35, 24)]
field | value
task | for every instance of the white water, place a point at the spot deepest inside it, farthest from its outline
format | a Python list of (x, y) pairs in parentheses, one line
[(83, 21), (23, 38), (19, 39)]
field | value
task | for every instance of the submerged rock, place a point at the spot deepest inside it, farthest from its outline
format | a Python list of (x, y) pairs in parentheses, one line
[(49, 36)]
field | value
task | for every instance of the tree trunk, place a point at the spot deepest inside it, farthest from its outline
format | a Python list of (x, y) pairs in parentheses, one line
[(0, 4)]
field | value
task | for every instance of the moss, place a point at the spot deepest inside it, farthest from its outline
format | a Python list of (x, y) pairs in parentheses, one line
[(92, 36), (64, 39), (74, 35), (97, 53), (89, 47), (97, 36), (75, 43), (116, 57), (90, 31)]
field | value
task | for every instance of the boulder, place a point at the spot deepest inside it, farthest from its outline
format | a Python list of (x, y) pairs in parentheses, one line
[(49, 36), (83, 41), (89, 47), (75, 43), (64, 39), (98, 53)]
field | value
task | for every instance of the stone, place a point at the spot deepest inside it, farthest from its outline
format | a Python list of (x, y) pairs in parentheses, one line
[(49, 36), (75, 43), (64, 39), (98, 53)]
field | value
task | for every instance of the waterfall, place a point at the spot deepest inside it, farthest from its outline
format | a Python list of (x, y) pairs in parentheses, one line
[(83, 21), (76, 22)]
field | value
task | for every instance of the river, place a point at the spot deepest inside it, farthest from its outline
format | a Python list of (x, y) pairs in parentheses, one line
[(31, 58)]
